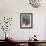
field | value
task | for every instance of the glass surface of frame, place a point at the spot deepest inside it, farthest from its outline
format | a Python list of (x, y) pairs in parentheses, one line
[(26, 20)]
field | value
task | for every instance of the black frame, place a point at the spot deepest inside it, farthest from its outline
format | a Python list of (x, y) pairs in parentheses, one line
[(22, 14)]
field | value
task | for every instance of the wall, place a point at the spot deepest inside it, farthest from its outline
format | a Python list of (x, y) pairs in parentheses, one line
[(13, 8)]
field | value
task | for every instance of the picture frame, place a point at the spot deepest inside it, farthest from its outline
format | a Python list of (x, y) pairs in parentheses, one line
[(26, 20)]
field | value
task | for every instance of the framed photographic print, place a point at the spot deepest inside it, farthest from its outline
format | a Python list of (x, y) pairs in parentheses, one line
[(26, 20)]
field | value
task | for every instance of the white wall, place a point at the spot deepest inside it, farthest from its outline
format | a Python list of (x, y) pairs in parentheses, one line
[(13, 8)]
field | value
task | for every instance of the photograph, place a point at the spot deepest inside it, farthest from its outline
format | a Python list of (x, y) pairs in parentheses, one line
[(26, 20)]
